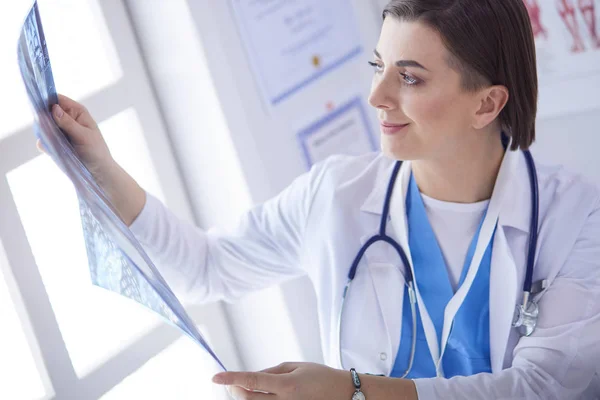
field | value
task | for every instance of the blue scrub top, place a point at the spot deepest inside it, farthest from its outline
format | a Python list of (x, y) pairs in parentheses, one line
[(468, 348)]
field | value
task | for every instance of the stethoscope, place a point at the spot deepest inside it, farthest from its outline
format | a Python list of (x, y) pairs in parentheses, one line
[(526, 313)]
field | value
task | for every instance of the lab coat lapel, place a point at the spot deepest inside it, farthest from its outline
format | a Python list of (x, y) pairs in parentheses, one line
[(386, 290), (503, 291), (508, 257), (388, 283), (399, 225), (385, 266), (506, 192)]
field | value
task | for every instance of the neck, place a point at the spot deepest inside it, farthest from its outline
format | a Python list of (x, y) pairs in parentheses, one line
[(464, 175)]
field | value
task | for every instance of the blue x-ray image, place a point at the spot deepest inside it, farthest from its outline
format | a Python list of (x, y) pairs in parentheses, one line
[(117, 261)]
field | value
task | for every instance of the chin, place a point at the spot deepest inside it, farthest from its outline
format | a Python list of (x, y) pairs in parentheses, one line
[(397, 150)]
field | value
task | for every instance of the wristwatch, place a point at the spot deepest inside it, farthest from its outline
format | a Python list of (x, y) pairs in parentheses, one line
[(358, 394)]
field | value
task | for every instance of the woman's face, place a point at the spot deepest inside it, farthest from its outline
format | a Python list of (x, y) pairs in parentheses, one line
[(423, 109)]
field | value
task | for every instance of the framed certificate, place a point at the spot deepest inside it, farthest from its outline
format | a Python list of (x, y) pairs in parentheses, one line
[(291, 44), (344, 130)]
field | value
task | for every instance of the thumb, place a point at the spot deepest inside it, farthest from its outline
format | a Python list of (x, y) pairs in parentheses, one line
[(74, 130), (284, 368)]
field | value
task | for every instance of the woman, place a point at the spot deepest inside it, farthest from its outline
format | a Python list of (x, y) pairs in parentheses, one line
[(455, 88)]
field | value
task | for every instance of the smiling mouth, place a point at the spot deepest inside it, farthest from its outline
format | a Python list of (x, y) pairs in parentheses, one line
[(391, 129)]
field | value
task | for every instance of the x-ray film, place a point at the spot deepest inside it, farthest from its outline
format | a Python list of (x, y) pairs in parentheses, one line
[(117, 261)]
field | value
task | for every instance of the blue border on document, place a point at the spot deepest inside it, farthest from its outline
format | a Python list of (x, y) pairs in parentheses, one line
[(304, 134), (317, 75)]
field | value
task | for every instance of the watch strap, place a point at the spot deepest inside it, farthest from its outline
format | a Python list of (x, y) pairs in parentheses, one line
[(358, 394)]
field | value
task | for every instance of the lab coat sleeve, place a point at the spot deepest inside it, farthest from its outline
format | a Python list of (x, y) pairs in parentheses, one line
[(204, 266), (560, 359)]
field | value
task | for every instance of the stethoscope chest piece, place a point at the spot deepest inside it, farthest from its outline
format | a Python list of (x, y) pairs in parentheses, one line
[(525, 318)]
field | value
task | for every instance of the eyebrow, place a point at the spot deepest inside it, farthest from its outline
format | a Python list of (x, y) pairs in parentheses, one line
[(403, 63)]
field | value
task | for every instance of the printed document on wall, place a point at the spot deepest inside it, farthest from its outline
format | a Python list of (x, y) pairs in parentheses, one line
[(291, 44), (342, 131)]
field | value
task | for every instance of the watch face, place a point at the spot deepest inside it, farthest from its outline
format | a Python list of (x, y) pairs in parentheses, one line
[(359, 396)]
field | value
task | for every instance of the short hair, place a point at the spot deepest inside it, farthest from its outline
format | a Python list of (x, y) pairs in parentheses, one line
[(491, 43)]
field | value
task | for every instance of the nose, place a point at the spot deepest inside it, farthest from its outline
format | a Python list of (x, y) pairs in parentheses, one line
[(382, 95)]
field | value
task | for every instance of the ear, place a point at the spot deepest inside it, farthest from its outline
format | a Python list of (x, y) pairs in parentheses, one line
[(492, 101)]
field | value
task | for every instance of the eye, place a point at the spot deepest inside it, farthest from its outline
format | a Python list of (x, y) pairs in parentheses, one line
[(409, 80), (376, 66)]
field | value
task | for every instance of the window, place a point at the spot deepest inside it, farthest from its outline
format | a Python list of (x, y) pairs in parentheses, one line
[(17, 360), (95, 324), (158, 379), (65, 337), (82, 52)]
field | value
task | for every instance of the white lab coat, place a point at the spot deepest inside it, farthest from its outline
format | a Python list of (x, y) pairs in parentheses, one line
[(319, 222)]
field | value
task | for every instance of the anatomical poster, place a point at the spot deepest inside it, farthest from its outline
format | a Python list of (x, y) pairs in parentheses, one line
[(567, 41)]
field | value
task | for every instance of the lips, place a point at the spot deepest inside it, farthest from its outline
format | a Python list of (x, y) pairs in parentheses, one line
[(389, 128)]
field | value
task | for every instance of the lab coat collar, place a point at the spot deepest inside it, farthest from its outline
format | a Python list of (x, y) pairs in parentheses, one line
[(512, 181), (374, 202), (515, 184)]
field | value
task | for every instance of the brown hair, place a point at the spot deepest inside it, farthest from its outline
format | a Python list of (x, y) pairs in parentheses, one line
[(491, 42)]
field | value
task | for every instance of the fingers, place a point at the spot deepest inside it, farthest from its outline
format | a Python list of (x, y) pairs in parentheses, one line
[(239, 393), (261, 381), (70, 126), (40, 146), (77, 111)]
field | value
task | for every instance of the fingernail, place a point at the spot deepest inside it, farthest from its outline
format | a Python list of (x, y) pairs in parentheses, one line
[(218, 379), (58, 111)]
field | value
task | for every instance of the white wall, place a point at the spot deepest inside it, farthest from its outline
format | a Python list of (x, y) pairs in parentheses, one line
[(235, 152), (215, 171), (573, 141)]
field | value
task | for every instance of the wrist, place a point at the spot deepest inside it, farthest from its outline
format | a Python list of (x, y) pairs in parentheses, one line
[(356, 385), (126, 196), (344, 388), (107, 174), (377, 387)]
